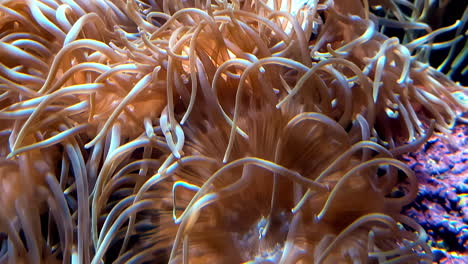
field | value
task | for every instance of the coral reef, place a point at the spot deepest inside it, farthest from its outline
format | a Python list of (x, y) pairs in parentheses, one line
[(441, 206), (243, 131)]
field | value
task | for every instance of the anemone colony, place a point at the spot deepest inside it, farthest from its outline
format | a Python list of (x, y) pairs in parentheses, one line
[(214, 131)]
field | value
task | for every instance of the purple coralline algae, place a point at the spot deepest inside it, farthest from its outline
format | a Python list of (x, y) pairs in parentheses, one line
[(441, 207)]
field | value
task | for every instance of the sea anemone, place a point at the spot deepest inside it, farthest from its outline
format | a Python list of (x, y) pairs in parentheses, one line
[(214, 131)]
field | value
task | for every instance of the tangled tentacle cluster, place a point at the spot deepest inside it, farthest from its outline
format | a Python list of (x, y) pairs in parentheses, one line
[(212, 131)]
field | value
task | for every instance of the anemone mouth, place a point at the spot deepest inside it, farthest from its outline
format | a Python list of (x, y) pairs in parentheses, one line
[(295, 201), (215, 131)]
